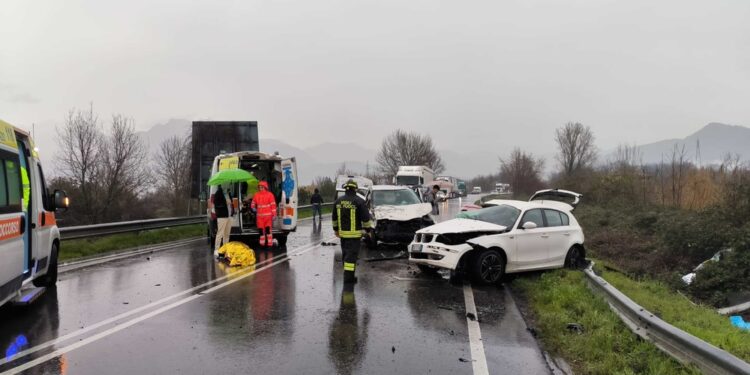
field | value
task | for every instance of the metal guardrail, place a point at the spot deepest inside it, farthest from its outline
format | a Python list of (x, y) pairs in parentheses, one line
[(679, 344), (83, 231)]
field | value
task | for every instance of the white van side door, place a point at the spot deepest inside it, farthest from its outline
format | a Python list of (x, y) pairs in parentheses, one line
[(12, 255), (289, 200)]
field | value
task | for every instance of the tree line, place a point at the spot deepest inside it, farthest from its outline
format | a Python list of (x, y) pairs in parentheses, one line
[(107, 171)]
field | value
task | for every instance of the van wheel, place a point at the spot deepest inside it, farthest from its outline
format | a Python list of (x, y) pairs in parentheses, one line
[(50, 278), (488, 267)]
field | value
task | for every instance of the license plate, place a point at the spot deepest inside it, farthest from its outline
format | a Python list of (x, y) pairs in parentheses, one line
[(416, 248)]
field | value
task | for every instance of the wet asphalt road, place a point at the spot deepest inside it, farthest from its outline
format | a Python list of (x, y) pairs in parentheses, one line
[(179, 311)]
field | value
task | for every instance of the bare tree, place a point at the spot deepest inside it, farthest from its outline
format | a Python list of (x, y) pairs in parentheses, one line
[(407, 148), (123, 165), (173, 170), (523, 171), (626, 157), (79, 156), (343, 170), (576, 149), (678, 168)]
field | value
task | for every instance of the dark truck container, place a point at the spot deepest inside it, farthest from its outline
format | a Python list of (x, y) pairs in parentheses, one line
[(211, 138)]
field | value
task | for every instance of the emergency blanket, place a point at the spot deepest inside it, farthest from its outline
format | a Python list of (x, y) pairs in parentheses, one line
[(238, 254)]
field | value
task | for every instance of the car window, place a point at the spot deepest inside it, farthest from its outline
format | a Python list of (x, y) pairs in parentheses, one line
[(565, 219), (553, 218), (501, 215), (399, 197), (534, 216)]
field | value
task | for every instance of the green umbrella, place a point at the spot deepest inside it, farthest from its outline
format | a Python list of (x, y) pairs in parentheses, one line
[(230, 176)]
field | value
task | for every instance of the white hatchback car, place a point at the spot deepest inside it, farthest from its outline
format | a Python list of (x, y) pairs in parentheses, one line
[(507, 236)]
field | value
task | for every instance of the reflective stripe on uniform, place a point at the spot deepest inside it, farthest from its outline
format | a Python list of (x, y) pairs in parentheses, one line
[(349, 266), (367, 224), (350, 234), (337, 224)]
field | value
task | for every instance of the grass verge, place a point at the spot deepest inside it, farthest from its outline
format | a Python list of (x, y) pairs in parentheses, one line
[(606, 345), (73, 249), (698, 320)]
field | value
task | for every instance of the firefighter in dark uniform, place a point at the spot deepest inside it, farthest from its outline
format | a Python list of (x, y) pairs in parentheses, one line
[(350, 218)]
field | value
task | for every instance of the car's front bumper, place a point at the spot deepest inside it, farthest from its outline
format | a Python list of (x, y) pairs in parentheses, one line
[(437, 254)]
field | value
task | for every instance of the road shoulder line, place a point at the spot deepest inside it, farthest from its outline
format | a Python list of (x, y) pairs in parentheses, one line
[(478, 359)]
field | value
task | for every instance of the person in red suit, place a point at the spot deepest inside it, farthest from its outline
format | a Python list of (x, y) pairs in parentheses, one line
[(264, 205)]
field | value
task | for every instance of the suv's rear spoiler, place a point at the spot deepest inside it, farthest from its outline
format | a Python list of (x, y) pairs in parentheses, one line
[(565, 196)]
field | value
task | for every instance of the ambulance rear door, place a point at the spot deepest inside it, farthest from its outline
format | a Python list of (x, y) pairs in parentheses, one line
[(289, 200)]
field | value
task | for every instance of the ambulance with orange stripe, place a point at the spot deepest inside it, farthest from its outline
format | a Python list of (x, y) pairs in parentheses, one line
[(29, 237)]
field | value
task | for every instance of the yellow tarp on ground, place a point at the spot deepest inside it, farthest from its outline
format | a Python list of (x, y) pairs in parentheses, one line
[(238, 254)]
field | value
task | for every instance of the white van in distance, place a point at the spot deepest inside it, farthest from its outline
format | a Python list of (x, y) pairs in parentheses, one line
[(29, 237)]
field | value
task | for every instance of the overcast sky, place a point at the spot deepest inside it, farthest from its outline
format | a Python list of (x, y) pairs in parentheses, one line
[(480, 74)]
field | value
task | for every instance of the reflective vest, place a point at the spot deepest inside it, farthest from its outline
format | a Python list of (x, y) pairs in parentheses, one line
[(264, 203)]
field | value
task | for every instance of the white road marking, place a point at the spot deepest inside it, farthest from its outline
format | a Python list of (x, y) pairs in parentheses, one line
[(478, 360), (141, 318), (126, 314)]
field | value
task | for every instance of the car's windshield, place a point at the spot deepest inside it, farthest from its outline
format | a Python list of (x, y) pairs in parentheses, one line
[(399, 197), (501, 215), (407, 180)]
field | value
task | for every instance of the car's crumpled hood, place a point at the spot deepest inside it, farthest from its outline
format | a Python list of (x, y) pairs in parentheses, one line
[(402, 213), (462, 226)]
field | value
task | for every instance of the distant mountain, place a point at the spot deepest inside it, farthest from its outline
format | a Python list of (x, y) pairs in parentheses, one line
[(712, 142)]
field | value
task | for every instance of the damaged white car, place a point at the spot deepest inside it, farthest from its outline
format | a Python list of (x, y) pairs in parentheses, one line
[(507, 236), (398, 214)]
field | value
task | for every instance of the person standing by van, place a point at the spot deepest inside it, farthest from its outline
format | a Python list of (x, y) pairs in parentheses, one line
[(223, 209), (264, 205), (317, 204)]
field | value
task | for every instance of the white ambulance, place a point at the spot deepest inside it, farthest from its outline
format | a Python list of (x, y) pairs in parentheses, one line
[(281, 175), (29, 237)]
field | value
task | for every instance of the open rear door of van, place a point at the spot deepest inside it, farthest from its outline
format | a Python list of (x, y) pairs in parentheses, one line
[(289, 197)]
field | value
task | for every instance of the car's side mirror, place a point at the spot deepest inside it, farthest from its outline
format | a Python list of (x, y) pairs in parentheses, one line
[(529, 225), (60, 200)]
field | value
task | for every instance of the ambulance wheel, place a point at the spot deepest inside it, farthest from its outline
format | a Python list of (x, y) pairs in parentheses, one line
[(50, 278)]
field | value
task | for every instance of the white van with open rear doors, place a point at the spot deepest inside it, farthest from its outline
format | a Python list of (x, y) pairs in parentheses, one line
[(29, 237), (281, 175)]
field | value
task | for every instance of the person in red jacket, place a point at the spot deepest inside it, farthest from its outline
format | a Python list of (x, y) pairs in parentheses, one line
[(264, 205)]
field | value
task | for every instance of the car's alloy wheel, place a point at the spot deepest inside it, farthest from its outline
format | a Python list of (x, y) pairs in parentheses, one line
[(489, 267), (574, 258)]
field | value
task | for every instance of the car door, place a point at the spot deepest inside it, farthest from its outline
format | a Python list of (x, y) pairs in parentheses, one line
[(532, 244), (559, 231)]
